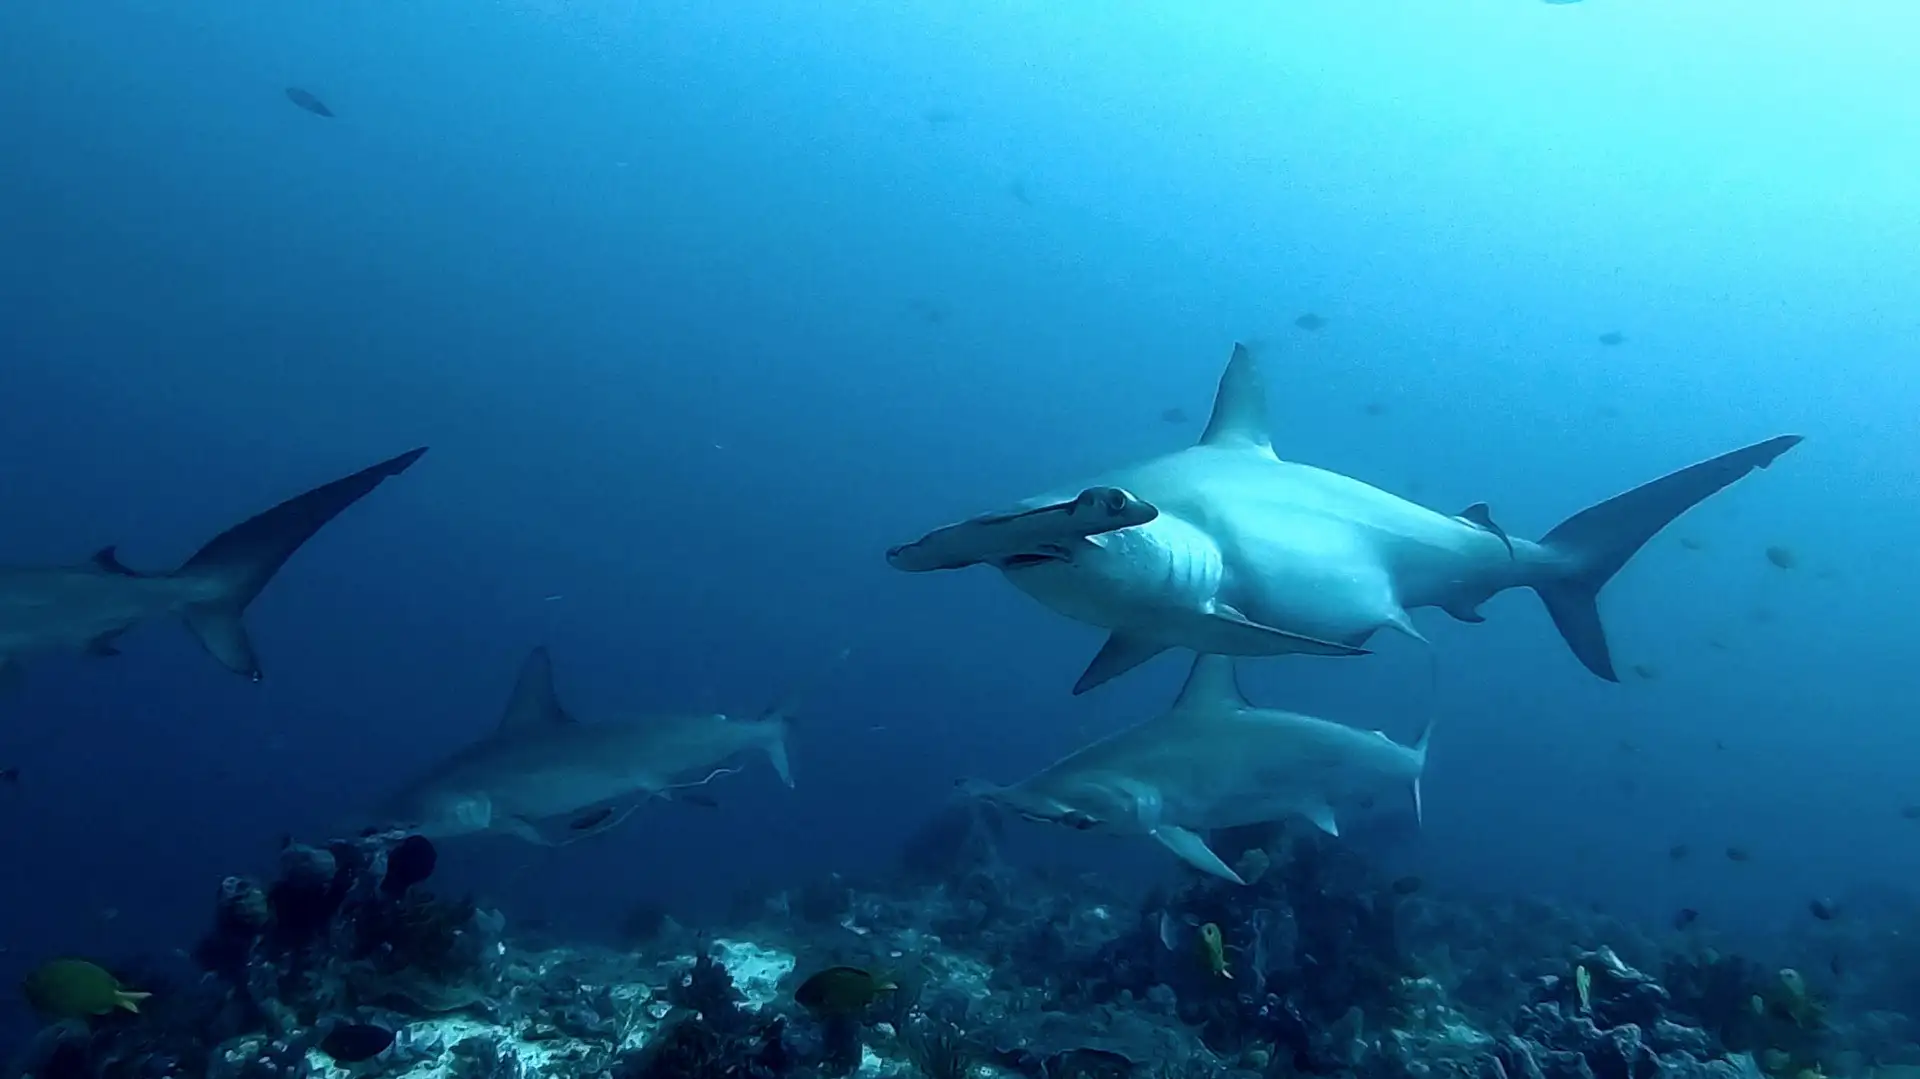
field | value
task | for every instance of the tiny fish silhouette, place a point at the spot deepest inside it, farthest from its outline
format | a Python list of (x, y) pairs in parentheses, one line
[(1310, 322), (308, 102), (1613, 337)]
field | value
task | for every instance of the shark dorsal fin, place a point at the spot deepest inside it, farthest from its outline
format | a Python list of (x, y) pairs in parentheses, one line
[(107, 560), (534, 703), (1211, 684), (1239, 418)]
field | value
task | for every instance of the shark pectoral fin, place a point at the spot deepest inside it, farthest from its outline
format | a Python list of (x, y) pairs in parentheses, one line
[(1322, 817), (1194, 851), (1122, 653), (1400, 621), (602, 826), (218, 628), (1238, 635)]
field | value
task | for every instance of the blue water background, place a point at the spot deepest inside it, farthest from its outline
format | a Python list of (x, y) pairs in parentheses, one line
[(703, 306)]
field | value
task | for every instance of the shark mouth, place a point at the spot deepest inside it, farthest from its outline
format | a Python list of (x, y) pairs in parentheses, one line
[(1040, 556)]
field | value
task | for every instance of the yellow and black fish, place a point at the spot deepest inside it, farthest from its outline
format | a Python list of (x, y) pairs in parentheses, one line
[(838, 991)]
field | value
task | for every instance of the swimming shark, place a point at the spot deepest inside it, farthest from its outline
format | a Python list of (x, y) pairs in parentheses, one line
[(87, 607), (1213, 761), (1223, 547), (540, 763)]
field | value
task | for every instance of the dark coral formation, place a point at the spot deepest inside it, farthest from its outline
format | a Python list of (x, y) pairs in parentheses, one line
[(1325, 969)]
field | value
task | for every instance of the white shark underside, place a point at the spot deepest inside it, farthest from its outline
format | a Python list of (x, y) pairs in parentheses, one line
[(1242, 553), (86, 608), (541, 763), (1214, 761)]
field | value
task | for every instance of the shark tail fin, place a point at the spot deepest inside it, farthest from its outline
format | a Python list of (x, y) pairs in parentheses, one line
[(241, 560), (1592, 545), (778, 719)]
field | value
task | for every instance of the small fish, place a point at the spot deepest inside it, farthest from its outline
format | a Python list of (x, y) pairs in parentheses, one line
[(1174, 415), (351, 1043), (1611, 337), (76, 989), (1213, 951), (1678, 852), (1647, 671), (1910, 812), (1782, 557), (1691, 543), (1310, 322), (1375, 408), (308, 102), (1685, 917), (1739, 854), (841, 991), (10, 774), (1406, 885), (1823, 909)]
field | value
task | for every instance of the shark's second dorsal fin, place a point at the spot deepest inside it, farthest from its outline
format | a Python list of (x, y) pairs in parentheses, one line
[(107, 560), (1211, 684), (534, 703), (1239, 418)]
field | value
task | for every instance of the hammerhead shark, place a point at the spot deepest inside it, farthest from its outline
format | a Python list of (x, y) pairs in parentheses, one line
[(540, 764), (1213, 761), (87, 607), (1222, 547)]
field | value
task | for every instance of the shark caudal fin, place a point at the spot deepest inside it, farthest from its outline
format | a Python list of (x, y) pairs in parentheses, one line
[(1592, 545), (777, 721), (241, 560)]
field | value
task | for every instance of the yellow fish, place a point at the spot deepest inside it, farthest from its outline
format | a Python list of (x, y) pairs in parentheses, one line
[(1213, 951), (75, 988)]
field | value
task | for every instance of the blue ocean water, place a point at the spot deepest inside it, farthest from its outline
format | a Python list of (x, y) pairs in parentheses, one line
[(701, 307)]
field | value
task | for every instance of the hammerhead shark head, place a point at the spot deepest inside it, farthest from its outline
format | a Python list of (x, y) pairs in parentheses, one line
[(1224, 548), (1213, 761), (87, 607), (540, 764)]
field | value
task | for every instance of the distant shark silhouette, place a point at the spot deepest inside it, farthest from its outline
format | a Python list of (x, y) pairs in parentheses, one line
[(1213, 761), (541, 764), (1224, 548), (87, 607)]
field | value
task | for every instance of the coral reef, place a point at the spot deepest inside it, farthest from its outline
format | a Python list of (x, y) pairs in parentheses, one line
[(1319, 967)]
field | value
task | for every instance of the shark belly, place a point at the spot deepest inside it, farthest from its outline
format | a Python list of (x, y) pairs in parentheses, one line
[(1321, 554)]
